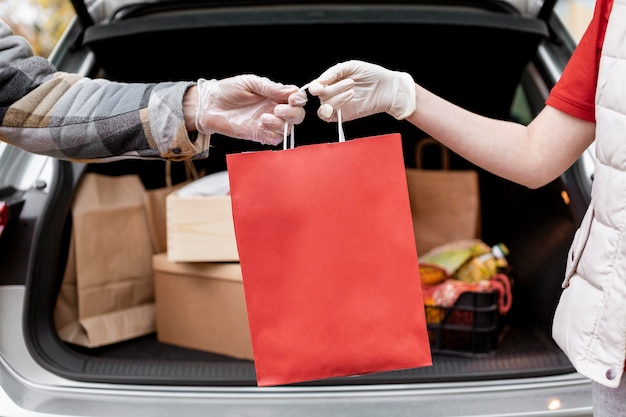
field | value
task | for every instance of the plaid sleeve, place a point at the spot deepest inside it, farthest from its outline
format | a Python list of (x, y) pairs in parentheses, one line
[(72, 117)]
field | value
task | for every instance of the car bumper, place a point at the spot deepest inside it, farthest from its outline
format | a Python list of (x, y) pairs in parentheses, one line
[(27, 389)]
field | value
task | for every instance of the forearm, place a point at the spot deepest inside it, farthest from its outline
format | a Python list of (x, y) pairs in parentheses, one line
[(530, 155), (72, 117), (190, 105)]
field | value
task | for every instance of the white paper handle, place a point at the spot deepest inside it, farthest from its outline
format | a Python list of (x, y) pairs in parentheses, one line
[(342, 137), (290, 132)]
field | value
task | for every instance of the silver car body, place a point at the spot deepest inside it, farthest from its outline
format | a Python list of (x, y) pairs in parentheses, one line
[(30, 389)]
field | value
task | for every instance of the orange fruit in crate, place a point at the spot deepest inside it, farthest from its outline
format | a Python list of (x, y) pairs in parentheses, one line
[(434, 314), (431, 274)]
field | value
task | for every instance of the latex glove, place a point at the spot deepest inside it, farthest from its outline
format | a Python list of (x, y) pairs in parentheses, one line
[(361, 89), (248, 107)]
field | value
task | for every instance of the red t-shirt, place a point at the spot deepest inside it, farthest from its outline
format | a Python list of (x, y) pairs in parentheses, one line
[(575, 91)]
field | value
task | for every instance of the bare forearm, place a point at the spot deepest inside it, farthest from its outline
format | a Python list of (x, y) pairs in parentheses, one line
[(498, 146), (190, 104), (531, 155)]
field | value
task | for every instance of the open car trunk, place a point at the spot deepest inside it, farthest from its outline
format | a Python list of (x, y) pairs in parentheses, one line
[(480, 55)]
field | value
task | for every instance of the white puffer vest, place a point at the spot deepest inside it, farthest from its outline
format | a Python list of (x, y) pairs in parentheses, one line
[(590, 320)]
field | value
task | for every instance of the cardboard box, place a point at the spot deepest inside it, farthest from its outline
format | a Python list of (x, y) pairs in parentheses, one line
[(201, 305), (200, 229)]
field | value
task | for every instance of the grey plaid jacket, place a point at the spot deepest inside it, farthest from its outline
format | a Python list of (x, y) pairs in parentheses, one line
[(71, 117)]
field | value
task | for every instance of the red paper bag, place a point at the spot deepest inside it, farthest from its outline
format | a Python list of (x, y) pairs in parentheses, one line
[(328, 257)]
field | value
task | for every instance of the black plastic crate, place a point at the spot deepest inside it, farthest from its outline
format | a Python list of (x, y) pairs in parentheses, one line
[(471, 327)]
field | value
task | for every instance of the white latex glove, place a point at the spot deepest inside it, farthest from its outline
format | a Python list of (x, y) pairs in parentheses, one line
[(361, 89), (248, 107)]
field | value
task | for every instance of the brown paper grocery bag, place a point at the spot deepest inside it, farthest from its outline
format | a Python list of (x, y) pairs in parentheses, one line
[(107, 293), (445, 203), (155, 204)]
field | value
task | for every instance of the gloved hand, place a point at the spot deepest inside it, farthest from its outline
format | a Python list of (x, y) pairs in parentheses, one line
[(248, 107), (361, 89)]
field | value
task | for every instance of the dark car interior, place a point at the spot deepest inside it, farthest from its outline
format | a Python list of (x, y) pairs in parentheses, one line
[(476, 54)]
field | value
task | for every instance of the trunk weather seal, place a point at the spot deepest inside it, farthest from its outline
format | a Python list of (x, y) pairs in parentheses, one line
[(313, 15)]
